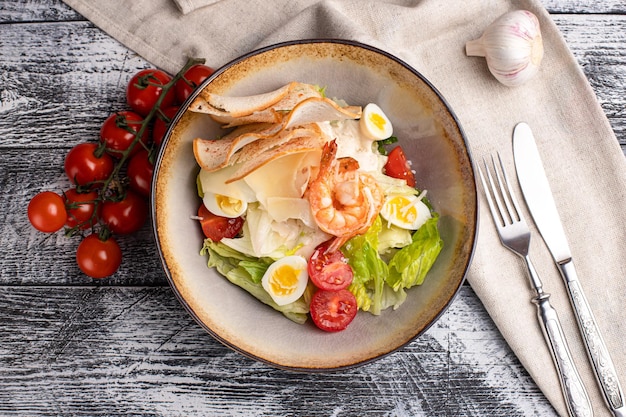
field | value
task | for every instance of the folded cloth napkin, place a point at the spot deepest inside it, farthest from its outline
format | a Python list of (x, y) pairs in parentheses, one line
[(188, 6), (585, 165)]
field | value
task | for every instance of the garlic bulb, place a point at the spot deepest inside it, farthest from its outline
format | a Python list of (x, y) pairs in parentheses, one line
[(512, 46)]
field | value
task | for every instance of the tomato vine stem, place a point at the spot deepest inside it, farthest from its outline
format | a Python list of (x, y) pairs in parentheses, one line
[(114, 188)]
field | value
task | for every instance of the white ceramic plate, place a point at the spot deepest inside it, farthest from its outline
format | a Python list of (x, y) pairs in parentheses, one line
[(431, 137)]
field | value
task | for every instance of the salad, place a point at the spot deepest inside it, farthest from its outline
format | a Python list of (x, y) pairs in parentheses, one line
[(308, 204)]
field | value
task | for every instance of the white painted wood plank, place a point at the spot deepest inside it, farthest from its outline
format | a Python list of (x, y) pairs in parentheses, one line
[(120, 351), (585, 6), (599, 45)]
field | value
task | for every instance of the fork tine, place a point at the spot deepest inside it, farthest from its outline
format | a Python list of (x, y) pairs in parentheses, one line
[(507, 192), (495, 211), (505, 206), (493, 198)]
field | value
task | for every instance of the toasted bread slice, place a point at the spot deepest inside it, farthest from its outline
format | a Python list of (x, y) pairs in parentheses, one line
[(287, 125), (264, 116), (213, 154), (218, 105), (295, 145), (317, 109)]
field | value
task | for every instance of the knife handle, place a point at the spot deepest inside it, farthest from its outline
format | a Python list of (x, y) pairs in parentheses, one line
[(603, 366), (578, 404)]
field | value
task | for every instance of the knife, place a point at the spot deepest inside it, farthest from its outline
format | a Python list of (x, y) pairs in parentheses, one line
[(538, 196)]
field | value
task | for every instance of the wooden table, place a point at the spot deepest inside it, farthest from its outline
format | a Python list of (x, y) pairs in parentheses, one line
[(124, 345)]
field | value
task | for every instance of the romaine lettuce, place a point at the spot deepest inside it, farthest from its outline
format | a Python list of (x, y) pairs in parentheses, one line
[(246, 272), (378, 285), (409, 265), (370, 271)]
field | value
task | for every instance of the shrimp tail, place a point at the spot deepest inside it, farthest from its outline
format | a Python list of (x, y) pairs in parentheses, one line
[(337, 243), (328, 156)]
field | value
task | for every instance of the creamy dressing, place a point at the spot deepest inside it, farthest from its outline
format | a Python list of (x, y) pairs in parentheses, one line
[(352, 142)]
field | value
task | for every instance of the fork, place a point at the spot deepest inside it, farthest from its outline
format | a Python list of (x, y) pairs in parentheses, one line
[(515, 236)]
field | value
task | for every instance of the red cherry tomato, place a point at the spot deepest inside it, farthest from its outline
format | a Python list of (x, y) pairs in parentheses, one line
[(127, 215), (333, 311), (80, 208), (162, 122), (98, 258), (217, 227), (139, 172), (145, 88), (329, 270), (46, 212), (82, 166), (397, 166), (119, 130), (193, 77)]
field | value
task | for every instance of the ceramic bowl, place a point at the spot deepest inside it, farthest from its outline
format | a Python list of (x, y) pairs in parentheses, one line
[(431, 137)]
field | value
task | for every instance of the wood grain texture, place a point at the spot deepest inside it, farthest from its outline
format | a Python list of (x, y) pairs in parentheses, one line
[(125, 346), (36, 11), (599, 47), (59, 93), (134, 351)]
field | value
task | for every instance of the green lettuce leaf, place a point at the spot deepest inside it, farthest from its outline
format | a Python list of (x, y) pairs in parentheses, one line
[(246, 272), (391, 237), (409, 265), (370, 271)]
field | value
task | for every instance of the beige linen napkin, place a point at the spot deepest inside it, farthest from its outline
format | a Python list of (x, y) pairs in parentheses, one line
[(188, 6), (585, 166)]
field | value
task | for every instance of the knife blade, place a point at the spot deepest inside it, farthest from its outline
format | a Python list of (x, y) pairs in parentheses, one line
[(539, 199)]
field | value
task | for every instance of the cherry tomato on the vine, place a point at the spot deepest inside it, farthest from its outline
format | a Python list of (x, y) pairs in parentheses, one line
[(162, 122), (80, 208), (145, 88), (333, 311), (139, 172), (98, 258), (119, 130), (46, 212), (82, 166), (193, 77), (397, 166), (329, 270), (217, 227), (127, 215)]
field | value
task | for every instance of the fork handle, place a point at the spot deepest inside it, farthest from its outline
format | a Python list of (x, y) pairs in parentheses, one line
[(578, 404)]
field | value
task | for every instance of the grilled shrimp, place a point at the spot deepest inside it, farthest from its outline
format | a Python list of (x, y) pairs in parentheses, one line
[(344, 201)]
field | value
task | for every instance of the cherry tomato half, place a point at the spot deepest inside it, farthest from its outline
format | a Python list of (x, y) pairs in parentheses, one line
[(145, 88), (193, 77), (127, 215), (139, 172), (119, 130), (217, 227), (397, 166), (82, 166), (333, 311), (80, 208), (46, 212), (98, 258), (162, 122), (329, 270)]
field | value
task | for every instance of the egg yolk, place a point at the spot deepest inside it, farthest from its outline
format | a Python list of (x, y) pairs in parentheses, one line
[(284, 280), (228, 204), (378, 120), (402, 209)]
